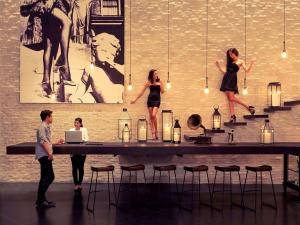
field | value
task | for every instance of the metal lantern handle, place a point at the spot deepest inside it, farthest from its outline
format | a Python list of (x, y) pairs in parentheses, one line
[(216, 107)]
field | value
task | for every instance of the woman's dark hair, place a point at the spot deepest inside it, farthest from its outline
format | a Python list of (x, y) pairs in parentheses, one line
[(45, 113), (79, 120), (231, 50), (151, 75)]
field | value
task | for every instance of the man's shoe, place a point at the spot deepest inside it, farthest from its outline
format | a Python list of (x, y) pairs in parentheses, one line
[(45, 204)]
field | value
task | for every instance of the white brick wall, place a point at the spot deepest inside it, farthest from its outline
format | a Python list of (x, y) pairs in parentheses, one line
[(187, 69)]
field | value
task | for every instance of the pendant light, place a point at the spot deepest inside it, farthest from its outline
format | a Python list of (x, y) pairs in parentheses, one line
[(206, 89), (168, 85), (245, 88), (130, 87), (284, 53)]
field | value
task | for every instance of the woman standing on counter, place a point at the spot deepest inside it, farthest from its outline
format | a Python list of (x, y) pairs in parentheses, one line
[(78, 159), (156, 87)]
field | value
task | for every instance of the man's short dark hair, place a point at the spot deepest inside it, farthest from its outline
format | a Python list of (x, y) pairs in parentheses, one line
[(45, 113)]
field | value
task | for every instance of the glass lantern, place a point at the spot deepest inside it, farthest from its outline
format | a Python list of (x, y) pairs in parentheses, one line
[(124, 119), (126, 134), (142, 129), (216, 119), (177, 132), (167, 124), (274, 94), (267, 133)]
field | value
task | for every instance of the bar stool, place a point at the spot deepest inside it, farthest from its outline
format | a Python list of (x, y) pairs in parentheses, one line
[(167, 168), (225, 169), (97, 170), (131, 169), (259, 169), (199, 170)]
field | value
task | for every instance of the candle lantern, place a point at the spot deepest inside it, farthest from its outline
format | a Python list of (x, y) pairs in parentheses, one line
[(142, 129), (216, 119), (167, 124), (267, 133), (126, 134), (177, 132), (274, 94), (124, 119)]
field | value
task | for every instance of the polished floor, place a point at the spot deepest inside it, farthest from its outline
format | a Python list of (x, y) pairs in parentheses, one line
[(17, 208)]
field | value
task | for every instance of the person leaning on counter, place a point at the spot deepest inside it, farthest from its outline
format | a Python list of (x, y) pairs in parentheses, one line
[(44, 153)]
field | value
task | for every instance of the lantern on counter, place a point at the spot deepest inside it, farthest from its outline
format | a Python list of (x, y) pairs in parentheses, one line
[(177, 132), (124, 119), (142, 129), (216, 119), (267, 133), (167, 124), (126, 134), (274, 94)]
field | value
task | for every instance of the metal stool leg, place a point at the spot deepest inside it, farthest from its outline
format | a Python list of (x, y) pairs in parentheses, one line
[(261, 191), (108, 181), (182, 190), (213, 190), (255, 189), (177, 192), (241, 190), (199, 187), (223, 190), (91, 183), (243, 195), (230, 183), (114, 186), (121, 180), (95, 191), (209, 187), (273, 190)]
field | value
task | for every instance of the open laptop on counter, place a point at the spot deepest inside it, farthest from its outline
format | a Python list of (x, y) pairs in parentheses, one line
[(73, 137)]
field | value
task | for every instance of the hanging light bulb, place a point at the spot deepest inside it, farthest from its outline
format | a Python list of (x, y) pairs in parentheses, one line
[(92, 66), (206, 89), (245, 89), (129, 87), (283, 54), (168, 84)]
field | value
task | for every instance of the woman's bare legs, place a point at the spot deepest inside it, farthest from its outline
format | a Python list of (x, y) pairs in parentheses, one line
[(232, 99), (154, 116), (152, 126), (65, 22)]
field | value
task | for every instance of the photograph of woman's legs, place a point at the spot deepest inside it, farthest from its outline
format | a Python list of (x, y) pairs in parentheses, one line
[(153, 121), (78, 170)]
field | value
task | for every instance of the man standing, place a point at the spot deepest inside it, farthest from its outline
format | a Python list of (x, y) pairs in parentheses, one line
[(44, 153)]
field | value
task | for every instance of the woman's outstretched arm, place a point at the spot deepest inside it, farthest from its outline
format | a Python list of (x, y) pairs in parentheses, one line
[(221, 68), (141, 93), (247, 68)]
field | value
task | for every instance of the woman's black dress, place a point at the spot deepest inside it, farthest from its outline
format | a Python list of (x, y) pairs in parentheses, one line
[(229, 82), (154, 96)]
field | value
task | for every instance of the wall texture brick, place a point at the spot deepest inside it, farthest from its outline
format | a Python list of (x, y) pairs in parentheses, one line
[(187, 71)]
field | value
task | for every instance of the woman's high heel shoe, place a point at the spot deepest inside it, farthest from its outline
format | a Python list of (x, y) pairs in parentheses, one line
[(46, 88), (233, 119), (251, 109), (65, 76)]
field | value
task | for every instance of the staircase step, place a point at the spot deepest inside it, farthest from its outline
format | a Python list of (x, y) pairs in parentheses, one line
[(256, 116), (291, 103), (230, 124), (215, 131), (277, 108)]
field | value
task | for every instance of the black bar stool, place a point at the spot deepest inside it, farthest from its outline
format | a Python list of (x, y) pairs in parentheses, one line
[(96, 170), (230, 170), (256, 170), (131, 169), (167, 168), (199, 170)]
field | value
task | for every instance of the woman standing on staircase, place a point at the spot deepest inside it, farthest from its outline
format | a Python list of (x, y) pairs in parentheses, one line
[(229, 82)]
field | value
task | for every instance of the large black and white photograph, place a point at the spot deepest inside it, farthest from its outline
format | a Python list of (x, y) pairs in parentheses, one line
[(72, 51)]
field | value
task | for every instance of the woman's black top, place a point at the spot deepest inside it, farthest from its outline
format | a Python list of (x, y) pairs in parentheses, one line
[(229, 82), (154, 96)]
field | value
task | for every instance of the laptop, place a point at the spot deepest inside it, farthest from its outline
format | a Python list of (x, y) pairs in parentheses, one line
[(73, 137)]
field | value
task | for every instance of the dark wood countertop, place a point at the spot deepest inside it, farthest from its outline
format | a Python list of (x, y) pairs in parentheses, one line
[(159, 148)]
